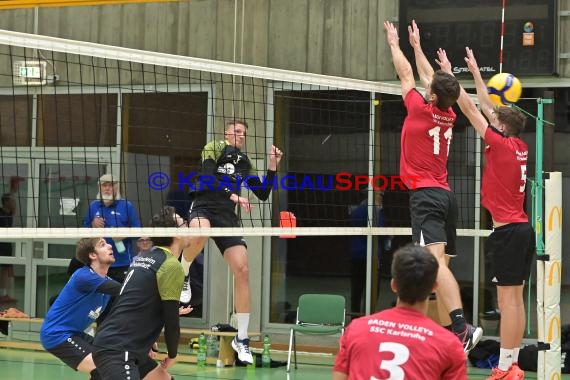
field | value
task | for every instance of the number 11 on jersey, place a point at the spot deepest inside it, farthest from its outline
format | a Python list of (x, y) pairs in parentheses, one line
[(434, 132)]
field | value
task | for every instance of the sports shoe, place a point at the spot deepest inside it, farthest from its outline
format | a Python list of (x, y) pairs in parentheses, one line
[(517, 372), (186, 294), (513, 373), (497, 374), (470, 337), (242, 349)]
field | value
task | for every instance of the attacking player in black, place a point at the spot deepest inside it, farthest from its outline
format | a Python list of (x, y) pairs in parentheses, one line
[(225, 168)]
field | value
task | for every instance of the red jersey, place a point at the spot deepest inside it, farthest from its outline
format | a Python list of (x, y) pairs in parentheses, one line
[(504, 177), (400, 343), (426, 137)]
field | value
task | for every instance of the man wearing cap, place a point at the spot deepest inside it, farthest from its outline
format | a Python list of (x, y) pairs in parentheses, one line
[(109, 210)]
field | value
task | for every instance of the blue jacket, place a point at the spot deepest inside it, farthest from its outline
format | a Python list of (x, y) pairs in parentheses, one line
[(121, 213)]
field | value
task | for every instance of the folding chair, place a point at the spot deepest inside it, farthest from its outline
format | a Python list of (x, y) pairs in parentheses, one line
[(318, 314)]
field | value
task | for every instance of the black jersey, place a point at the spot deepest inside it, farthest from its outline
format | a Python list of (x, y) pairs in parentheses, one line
[(225, 171), (231, 163), (137, 316)]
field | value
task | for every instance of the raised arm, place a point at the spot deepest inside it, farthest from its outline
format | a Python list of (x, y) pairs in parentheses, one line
[(263, 189), (403, 67), (467, 105), (425, 70), (485, 102)]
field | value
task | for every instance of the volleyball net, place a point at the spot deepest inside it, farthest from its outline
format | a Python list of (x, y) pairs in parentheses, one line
[(72, 111)]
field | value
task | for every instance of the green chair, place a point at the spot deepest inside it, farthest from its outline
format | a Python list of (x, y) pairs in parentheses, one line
[(318, 314)]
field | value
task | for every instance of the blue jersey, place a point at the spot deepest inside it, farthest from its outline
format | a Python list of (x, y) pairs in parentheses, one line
[(75, 308), (121, 213)]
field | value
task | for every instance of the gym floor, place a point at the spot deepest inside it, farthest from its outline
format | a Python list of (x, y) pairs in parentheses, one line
[(18, 364)]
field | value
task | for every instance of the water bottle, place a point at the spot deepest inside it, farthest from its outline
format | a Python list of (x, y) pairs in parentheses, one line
[(212, 346), (265, 355), (201, 357)]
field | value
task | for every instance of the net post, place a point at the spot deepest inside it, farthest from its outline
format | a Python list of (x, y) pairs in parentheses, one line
[(536, 222), (549, 337), (549, 257)]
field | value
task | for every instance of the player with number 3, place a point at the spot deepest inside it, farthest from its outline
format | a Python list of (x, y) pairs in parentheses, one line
[(402, 342)]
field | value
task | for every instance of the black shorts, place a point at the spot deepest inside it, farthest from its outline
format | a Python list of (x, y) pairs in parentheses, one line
[(509, 252), (122, 365), (434, 217), (74, 349), (218, 217)]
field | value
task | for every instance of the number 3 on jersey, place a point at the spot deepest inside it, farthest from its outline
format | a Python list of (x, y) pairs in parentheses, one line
[(393, 366), (434, 132)]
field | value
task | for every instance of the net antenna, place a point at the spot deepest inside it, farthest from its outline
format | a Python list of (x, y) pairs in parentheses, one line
[(502, 35)]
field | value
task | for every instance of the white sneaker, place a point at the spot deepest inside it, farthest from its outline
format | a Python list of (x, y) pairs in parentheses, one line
[(186, 294), (242, 349)]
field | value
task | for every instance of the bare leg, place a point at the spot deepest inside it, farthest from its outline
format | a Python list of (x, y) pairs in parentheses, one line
[(159, 373), (448, 290), (236, 257), (511, 305), (442, 312), (197, 243)]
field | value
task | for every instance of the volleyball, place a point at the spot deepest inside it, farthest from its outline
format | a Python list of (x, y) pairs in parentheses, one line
[(504, 89)]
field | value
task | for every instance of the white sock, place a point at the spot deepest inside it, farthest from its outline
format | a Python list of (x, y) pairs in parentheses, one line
[(505, 359), (516, 351), (243, 324), (185, 265)]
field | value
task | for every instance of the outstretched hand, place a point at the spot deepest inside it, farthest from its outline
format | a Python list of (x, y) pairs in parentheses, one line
[(471, 61), (443, 61), (391, 34), (414, 33), (274, 157)]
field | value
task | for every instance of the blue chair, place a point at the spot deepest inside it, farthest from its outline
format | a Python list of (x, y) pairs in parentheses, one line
[(317, 314)]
